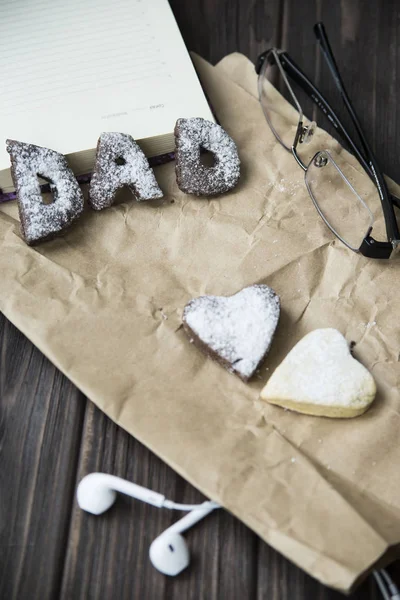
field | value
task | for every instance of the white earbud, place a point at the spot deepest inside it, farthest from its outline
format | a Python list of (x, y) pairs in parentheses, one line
[(169, 553), (97, 492)]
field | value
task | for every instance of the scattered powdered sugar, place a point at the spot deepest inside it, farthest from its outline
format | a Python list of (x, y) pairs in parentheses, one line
[(109, 176), (288, 187), (38, 220), (239, 328), (192, 176), (321, 370), (369, 325)]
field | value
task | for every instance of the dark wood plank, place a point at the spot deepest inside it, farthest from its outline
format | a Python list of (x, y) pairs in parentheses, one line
[(387, 75), (216, 28), (41, 417)]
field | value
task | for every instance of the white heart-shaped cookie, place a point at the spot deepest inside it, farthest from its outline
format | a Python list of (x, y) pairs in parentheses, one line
[(320, 377), (236, 331)]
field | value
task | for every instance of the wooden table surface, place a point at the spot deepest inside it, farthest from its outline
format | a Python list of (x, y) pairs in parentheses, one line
[(51, 435)]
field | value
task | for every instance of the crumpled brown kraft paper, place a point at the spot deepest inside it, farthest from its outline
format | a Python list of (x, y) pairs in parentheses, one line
[(104, 304)]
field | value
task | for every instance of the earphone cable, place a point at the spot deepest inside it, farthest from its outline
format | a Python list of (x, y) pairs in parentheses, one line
[(379, 580), (175, 506), (393, 589)]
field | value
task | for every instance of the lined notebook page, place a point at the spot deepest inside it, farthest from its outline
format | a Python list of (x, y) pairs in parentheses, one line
[(71, 69)]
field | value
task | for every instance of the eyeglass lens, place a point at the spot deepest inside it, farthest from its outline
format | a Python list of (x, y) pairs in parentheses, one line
[(327, 176), (338, 203), (283, 123)]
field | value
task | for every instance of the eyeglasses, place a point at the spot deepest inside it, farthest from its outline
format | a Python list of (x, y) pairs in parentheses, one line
[(325, 175)]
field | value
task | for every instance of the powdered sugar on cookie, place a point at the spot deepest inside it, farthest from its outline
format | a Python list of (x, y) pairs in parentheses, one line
[(120, 162), (41, 221), (320, 377), (238, 329), (192, 176)]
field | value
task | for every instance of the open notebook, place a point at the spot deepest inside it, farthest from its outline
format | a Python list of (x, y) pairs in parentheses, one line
[(71, 70)]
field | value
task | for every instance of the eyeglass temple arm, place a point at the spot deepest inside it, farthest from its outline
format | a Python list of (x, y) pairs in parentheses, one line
[(308, 87), (390, 219)]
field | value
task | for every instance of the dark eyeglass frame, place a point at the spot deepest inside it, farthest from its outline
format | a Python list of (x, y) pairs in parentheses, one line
[(370, 247)]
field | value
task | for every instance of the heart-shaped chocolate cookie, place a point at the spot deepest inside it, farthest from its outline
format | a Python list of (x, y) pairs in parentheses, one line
[(320, 377), (236, 331)]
